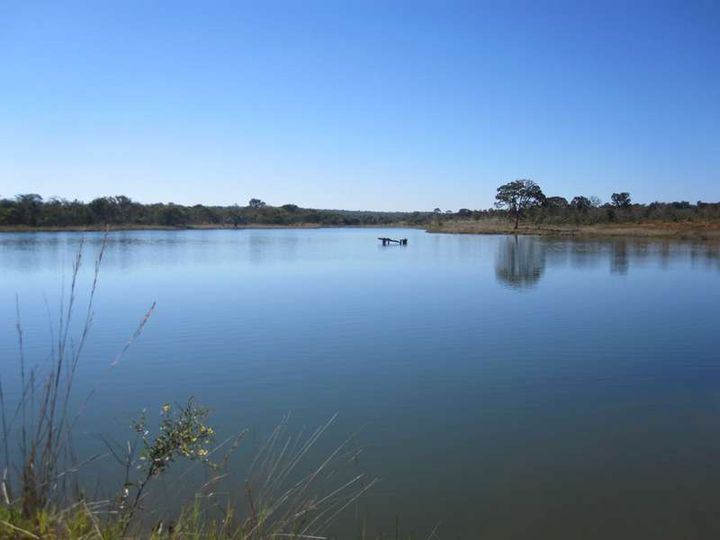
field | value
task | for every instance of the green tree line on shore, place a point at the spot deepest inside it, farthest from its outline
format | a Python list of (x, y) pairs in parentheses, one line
[(30, 210), (517, 200), (525, 199)]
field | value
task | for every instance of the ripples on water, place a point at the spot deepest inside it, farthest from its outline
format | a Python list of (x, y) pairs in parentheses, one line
[(510, 387)]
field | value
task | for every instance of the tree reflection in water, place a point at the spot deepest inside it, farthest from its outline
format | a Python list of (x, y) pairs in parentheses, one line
[(520, 261), (619, 257)]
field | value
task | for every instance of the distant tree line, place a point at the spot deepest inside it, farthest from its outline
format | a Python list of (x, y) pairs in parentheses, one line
[(30, 210), (519, 200), (524, 199)]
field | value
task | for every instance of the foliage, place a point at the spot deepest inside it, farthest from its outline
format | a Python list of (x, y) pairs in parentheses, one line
[(555, 202), (183, 432), (517, 196), (581, 203), (621, 200), (30, 210), (256, 203), (521, 199)]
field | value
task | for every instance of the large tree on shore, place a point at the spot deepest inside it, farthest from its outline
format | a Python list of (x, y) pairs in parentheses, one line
[(621, 200), (517, 196), (29, 208), (256, 203), (581, 203)]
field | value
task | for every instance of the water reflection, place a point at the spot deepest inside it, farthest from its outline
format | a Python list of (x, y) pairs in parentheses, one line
[(619, 261), (256, 323), (520, 261)]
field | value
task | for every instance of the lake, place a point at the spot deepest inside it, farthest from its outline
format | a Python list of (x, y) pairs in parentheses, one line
[(500, 387)]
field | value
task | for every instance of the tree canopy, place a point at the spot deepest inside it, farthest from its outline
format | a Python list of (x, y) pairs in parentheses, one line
[(256, 203), (520, 199), (30, 210), (621, 200), (517, 196)]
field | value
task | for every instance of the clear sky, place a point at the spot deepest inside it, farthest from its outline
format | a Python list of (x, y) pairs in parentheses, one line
[(359, 105)]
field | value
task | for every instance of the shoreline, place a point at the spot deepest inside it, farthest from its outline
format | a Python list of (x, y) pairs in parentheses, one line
[(659, 230), (257, 226)]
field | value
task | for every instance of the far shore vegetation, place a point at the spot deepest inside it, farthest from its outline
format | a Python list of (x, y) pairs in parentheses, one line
[(521, 208)]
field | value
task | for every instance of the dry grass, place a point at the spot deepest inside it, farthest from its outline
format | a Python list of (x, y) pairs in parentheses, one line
[(290, 491), (685, 230)]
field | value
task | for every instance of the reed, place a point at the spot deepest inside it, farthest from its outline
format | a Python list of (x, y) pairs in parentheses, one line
[(288, 492), (42, 423)]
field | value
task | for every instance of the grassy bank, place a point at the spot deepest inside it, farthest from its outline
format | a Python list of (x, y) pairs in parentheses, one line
[(685, 231), (657, 229)]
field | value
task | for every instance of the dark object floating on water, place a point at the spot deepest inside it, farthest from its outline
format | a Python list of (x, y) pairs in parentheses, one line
[(387, 241)]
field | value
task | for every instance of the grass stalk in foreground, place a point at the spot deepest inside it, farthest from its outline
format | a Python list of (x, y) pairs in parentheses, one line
[(40, 489)]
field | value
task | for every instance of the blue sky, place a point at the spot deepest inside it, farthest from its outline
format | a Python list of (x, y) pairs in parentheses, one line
[(359, 105)]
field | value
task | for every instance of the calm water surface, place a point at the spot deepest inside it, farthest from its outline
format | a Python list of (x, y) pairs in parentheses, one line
[(502, 387)]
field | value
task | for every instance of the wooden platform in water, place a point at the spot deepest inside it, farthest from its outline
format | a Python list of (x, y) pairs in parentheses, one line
[(388, 241)]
